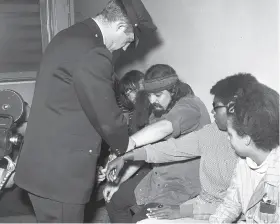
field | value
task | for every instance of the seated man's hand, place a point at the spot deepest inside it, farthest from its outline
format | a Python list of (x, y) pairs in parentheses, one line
[(111, 157), (113, 169), (109, 190), (164, 212), (102, 171)]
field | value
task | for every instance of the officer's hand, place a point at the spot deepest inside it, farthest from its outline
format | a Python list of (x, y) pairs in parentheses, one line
[(101, 174), (109, 191), (113, 169)]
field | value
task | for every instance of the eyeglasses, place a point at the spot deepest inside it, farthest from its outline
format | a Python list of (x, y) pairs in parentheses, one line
[(215, 108)]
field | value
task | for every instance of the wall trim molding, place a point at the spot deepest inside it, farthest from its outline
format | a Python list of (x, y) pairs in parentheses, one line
[(18, 77)]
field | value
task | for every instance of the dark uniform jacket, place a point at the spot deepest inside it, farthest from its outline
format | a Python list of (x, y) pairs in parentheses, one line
[(73, 108)]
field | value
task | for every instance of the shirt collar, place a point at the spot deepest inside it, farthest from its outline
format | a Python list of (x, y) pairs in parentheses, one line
[(262, 168)]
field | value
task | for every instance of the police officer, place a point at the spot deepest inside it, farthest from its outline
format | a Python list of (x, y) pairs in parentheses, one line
[(73, 108)]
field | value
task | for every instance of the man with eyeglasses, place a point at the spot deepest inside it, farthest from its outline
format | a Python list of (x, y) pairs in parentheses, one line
[(217, 162)]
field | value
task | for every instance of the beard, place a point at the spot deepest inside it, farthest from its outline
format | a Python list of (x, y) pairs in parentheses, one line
[(158, 110)]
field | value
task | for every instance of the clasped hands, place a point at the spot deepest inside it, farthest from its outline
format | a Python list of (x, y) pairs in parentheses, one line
[(111, 171), (101, 175), (110, 188), (114, 167)]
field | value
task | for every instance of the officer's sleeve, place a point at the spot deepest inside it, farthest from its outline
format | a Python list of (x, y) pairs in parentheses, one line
[(93, 84)]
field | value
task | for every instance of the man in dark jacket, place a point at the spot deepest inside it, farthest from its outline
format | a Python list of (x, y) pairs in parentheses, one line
[(73, 108)]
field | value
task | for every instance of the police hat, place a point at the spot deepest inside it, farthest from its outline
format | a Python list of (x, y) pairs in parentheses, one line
[(138, 16)]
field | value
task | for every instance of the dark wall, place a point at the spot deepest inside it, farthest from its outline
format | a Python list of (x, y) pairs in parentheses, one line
[(20, 35)]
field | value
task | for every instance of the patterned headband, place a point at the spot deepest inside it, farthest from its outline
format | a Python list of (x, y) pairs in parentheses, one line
[(157, 85)]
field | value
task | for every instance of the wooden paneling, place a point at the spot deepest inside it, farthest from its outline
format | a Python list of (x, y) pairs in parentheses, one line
[(56, 15), (6, 7), (20, 35)]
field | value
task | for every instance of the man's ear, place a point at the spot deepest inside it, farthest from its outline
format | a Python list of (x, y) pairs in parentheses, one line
[(247, 140)]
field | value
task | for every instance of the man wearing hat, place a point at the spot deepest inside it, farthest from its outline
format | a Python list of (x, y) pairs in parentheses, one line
[(176, 112), (74, 108)]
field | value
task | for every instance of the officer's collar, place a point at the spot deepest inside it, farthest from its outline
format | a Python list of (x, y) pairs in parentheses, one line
[(96, 32)]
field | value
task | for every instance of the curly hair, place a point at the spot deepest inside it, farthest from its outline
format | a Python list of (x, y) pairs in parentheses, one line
[(226, 88), (141, 113), (256, 114)]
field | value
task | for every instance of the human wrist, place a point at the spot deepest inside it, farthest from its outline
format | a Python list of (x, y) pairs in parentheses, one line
[(128, 156)]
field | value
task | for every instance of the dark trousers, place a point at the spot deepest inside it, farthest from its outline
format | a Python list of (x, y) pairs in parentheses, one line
[(47, 210), (119, 208)]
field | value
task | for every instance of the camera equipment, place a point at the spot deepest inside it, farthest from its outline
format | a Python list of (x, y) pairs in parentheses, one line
[(11, 117)]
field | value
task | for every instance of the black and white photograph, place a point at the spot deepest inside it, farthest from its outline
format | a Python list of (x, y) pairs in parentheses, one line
[(139, 111)]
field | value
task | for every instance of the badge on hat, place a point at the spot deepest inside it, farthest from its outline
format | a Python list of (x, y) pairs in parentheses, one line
[(139, 17)]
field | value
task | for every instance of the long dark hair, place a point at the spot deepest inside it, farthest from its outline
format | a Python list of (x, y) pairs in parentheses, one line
[(141, 113), (179, 90), (130, 81)]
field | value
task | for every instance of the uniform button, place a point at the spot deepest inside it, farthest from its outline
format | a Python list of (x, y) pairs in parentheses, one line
[(158, 185), (155, 172), (250, 216), (96, 35), (90, 151)]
